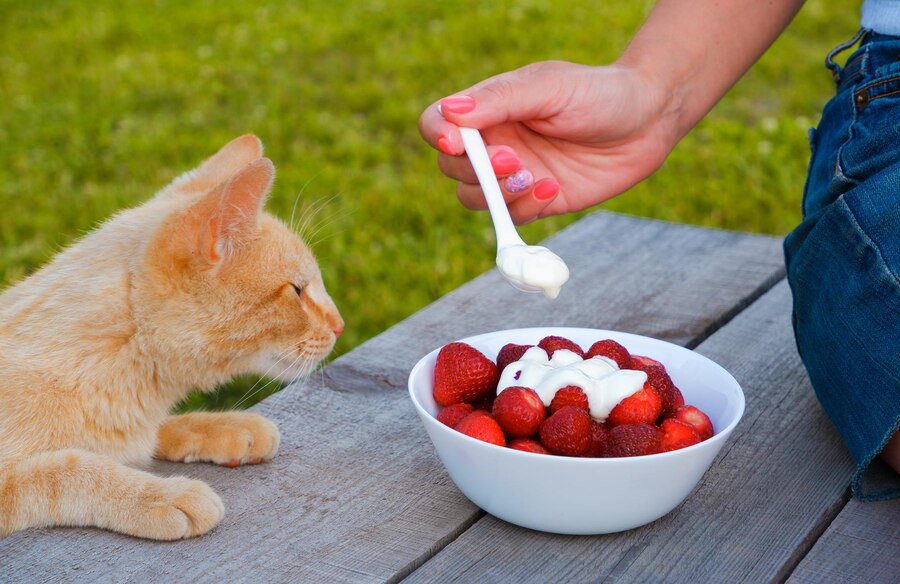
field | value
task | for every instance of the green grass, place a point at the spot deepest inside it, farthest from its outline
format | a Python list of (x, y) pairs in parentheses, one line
[(105, 102)]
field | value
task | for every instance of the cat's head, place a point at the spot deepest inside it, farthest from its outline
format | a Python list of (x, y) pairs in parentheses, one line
[(228, 284)]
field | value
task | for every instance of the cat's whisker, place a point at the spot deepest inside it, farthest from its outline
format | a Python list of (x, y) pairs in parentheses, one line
[(272, 381), (310, 214), (297, 199), (254, 390), (278, 358), (310, 242)]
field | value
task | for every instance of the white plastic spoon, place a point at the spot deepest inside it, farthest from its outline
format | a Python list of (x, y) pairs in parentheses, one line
[(530, 268)]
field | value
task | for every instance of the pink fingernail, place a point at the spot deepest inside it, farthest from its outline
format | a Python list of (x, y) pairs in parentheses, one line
[(444, 145), (546, 189), (458, 104), (505, 162), (519, 181)]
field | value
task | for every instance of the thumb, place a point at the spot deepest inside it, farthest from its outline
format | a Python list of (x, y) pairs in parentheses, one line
[(529, 93)]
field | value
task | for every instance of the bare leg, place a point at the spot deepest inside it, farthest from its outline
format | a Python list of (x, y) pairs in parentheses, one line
[(79, 488), (891, 452), (226, 438)]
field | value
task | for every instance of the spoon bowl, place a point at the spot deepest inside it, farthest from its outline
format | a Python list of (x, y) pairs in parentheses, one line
[(529, 268)]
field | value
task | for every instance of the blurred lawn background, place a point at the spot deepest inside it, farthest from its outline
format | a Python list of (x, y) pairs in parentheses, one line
[(104, 102)]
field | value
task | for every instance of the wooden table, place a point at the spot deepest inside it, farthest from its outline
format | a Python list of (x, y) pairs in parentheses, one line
[(357, 493)]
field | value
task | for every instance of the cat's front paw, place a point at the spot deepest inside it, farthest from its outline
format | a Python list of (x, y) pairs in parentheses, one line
[(174, 508), (226, 438)]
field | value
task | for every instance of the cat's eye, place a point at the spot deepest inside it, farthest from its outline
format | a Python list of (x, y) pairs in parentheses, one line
[(298, 290)]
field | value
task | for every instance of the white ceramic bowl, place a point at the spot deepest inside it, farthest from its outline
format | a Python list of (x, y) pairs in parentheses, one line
[(578, 496)]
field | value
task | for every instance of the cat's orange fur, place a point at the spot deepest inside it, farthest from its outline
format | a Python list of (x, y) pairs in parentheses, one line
[(185, 291)]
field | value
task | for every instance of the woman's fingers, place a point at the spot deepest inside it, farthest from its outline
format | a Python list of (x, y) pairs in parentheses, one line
[(524, 205), (504, 161)]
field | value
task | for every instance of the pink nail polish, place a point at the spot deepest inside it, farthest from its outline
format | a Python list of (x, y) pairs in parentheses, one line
[(458, 104), (505, 162), (444, 145), (519, 181), (546, 189)]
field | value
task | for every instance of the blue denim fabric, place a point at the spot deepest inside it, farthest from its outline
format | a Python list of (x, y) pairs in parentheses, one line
[(843, 260)]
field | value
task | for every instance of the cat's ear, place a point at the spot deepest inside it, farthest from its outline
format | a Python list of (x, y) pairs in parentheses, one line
[(225, 217), (220, 167)]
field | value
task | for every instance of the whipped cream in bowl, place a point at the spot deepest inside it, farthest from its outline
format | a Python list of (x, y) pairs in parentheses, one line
[(601, 380)]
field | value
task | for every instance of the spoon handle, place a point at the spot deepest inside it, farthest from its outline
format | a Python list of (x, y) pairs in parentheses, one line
[(503, 225)]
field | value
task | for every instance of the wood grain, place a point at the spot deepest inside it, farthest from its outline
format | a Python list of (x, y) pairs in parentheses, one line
[(861, 545), (783, 476), (356, 493)]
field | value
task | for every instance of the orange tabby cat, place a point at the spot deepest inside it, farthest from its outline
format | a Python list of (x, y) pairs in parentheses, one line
[(187, 290)]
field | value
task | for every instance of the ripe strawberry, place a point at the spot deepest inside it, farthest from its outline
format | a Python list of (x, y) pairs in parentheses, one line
[(662, 383), (567, 432), (519, 411), (451, 415), (479, 424), (509, 353), (462, 374), (613, 350), (640, 363), (599, 437), (528, 445), (552, 343), (633, 440), (642, 407), (676, 435), (696, 418), (570, 395)]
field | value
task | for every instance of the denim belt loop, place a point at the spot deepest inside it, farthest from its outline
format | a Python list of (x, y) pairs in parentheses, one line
[(829, 60)]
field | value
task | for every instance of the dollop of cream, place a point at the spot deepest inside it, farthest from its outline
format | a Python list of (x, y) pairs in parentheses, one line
[(533, 267), (599, 377)]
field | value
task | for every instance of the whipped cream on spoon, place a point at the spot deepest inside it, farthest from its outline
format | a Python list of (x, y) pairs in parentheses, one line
[(530, 268)]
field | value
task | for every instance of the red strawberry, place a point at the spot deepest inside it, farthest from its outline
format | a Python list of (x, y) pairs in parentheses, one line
[(640, 362), (662, 383), (519, 411), (528, 445), (462, 374), (552, 343), (570, 395), (599, 437), (676, 435), (451, 415), (509, 353), (633, 440), (567, 432), (642, 407), (479, 424), (613, 350), (696, 418)]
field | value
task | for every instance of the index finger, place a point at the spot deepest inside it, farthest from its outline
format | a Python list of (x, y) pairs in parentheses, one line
[(440, 133)]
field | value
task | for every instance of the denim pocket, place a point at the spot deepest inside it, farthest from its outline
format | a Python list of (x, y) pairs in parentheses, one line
[(874, 142)]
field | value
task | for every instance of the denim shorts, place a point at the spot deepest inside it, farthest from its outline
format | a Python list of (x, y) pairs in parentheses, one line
[(843, 260)]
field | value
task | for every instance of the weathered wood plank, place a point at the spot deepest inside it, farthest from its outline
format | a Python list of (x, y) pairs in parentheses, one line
[(781, 479), (356, 493), (861, 545)]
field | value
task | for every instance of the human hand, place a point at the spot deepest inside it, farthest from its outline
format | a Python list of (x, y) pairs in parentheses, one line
[(584, 133)]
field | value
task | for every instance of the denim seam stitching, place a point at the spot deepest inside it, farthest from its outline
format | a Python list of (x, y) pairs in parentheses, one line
[(880, 95), (879, 82), (839, 166)]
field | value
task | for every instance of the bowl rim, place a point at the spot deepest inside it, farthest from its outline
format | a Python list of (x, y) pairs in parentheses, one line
[(719, 436)]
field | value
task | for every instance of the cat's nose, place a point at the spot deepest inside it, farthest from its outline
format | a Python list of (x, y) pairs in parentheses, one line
[(338, 330)]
